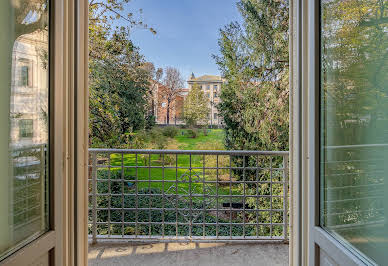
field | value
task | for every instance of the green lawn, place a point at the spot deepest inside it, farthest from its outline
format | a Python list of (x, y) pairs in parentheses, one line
[(167, 179), (215, 136), (168, 174)]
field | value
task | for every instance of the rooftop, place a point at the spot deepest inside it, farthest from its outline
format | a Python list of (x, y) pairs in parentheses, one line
[(206, 78)]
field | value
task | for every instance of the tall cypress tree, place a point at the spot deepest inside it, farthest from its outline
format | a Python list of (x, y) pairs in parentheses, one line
[(254, 61)]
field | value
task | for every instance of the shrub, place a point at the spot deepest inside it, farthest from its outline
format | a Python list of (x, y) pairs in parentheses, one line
[(158, 140), (150, 122), (211, 161), (170, 131), (192, 133)]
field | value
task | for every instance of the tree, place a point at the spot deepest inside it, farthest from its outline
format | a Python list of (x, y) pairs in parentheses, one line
[(118, 89), (155, 78), (254, 62), (354, 104), (25, 23), (196, 106), (118, 83), (173, 83)]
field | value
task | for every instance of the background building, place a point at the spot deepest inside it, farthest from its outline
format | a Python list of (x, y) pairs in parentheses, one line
[(211, 86), (29, 91), (176, 106)]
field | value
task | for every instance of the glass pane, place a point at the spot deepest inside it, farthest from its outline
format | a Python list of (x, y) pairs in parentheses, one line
[(24, 98), (354, 124)]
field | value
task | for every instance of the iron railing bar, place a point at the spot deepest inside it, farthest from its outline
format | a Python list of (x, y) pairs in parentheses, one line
[(122, 191), (193, 180), (244, 158), (191, 200), (263, 239), (136, 196), (194, 168), (186, 209), (163, 196), (217, 203), (176, 195), (285, 200), (188, 223), (109, 198), (206, 182), (271, 193), (204, 200), (188, 152), (230, 194), (94, 198), (257, 193), (149, 192), (199, 195)]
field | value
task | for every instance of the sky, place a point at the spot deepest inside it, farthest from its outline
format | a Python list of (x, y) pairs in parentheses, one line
[(187, 32)]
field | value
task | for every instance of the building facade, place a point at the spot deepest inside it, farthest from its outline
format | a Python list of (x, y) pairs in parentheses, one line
[(160, 105), (211, 86), (29, 91)]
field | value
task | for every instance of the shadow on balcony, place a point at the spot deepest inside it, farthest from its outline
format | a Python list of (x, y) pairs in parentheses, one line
[(188, 254)]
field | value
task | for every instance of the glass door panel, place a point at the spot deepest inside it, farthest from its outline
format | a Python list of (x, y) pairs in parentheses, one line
[(24, 122), (354, 125)]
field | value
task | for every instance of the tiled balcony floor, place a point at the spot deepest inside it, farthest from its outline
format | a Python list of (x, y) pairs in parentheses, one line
[(187, 254)]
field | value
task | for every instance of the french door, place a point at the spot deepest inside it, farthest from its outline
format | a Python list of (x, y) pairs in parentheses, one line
[(348, 132), (43, 132)]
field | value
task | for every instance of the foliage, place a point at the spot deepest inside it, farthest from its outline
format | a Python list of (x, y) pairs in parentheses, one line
[(155, 78), (192, 133), (150, 121), (354, 104), (118, 83), (26, 23), (173, 83), (170, 131), (354, 66), (196, 106), (171, 216), (255, 97), (254, 61)]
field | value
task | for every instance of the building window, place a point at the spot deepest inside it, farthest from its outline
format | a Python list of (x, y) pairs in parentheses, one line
[(208, 95), (215, 87), (26, 128), (208, 87), (215, 115), (24, 75), (215, 94)]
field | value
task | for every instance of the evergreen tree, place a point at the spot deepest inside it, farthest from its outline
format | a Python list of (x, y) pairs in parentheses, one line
[(254, 62)]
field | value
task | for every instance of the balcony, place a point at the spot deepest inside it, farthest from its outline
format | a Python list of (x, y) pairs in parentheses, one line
[(173, 205)]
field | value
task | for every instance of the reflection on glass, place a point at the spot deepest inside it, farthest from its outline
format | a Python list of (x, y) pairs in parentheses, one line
[(24, 190), (354, 124)]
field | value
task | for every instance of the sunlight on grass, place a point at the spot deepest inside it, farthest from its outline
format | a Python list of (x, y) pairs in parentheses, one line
[(169, 174)]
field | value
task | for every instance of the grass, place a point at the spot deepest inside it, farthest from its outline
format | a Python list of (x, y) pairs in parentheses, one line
[(150, 167), (215, 136), (157, 175)]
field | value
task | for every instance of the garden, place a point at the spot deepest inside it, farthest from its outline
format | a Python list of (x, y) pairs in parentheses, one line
[(172, 194)]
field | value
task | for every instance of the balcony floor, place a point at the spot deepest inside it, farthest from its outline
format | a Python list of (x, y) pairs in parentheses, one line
[(171, 254)]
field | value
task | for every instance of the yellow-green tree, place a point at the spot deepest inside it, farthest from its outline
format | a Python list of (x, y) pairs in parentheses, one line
[(196, 107)]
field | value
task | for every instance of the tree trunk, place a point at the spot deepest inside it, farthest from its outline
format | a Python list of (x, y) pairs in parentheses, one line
[(168, 113)]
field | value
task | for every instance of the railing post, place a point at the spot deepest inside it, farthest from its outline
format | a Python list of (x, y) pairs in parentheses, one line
[(94, 197), (285, 196)]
